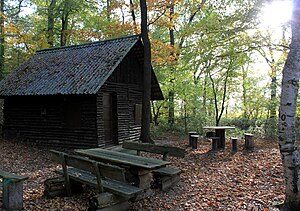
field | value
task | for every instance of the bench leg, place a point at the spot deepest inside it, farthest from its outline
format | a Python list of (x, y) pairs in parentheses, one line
[(12, 194)]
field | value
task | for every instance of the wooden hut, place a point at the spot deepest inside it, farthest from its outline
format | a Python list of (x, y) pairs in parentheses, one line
[(79, 96)]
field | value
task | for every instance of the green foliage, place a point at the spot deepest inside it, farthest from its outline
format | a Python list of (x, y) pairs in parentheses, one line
[(163, 130), (211, 67)]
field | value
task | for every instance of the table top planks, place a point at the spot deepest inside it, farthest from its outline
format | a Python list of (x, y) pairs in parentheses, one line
[(120, 158)]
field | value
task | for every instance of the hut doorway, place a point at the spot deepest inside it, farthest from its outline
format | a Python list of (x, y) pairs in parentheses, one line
[(110, 118)]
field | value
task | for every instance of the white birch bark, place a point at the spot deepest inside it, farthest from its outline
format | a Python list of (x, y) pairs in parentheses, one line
[(287, 114)]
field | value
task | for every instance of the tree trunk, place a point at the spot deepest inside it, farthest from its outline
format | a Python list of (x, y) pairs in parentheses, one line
[(108, 3), (64, 24), (171, 92), (273, 96), (244, 93), (171, 108), (145, 132), (133, 16), (205, 97), (50, 31), (219, 112), (287, 115), (1, 38), (272, 123)]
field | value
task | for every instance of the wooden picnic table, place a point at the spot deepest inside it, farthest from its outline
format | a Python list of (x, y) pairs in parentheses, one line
[(220, 132), (139, 167)]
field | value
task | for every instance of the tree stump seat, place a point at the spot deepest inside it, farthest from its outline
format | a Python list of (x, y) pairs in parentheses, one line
[(190, 134), (234, 146), (215, 143), (194, 141), (249, 141)]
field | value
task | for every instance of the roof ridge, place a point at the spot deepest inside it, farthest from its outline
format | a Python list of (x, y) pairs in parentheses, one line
[(86, 44)]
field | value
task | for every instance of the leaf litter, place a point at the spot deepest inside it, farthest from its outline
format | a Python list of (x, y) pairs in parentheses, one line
[(209, 181)]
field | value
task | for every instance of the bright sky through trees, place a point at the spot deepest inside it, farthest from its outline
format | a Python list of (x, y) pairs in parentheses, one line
[(276, 13), (273, 16)]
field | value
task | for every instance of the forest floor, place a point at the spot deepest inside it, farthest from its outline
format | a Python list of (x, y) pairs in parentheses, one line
[(210, 181)]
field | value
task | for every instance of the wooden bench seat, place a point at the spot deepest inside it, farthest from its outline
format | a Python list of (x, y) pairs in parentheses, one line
[(12, 190), (109, 185), (108, 179), (163, 177), (168, 171), (155, 148)]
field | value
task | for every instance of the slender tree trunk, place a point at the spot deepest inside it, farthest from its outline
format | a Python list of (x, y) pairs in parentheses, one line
[(64, 24), (145, 132), (244, 94), (64, 34), (2, 40), (205, 96), (156, 112), (219, 112), (185, 114), (272, 120), (273, 96), (108, 2), (50, 34), (133, 16), (287, 115), (171, 92)]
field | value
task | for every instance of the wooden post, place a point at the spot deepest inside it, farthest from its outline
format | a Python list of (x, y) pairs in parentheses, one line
[(12, 194), (190, 134), (249, 141), (65, 172), (234, 146), (194, 141), (215, 141)]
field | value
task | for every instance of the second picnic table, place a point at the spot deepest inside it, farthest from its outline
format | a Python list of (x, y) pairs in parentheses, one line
[(220, 132), (139, 167)]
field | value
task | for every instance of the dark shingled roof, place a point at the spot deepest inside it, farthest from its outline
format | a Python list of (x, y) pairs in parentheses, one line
[(80, 69)]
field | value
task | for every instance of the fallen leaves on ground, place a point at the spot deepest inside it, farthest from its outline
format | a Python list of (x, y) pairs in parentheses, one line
[(209, 181)]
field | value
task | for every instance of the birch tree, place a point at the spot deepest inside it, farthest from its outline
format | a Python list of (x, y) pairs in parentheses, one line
[(287, 115)]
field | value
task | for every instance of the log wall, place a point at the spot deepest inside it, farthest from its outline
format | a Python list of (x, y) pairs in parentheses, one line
[(126, 83), (41, 119)]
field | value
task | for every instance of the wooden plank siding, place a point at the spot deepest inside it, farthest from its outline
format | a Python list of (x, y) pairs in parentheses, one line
[(41, 119), (126, 84)]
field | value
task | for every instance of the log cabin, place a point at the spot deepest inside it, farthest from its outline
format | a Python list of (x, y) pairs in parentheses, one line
[(79, 96)]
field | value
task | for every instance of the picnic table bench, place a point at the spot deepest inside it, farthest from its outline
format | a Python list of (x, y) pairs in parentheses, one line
[(12, 188), (163, 177), (108, 179)]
